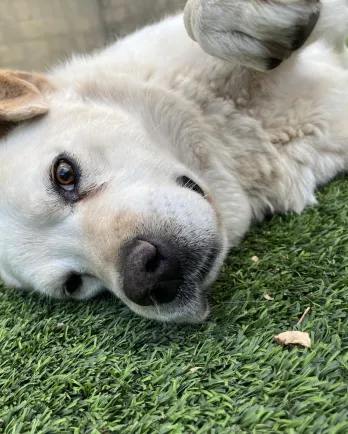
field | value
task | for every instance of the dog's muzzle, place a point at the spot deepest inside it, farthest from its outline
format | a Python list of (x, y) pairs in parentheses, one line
[(155, 271)]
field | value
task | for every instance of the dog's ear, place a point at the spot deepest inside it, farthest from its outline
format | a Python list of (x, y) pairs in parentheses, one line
[(22, 97)]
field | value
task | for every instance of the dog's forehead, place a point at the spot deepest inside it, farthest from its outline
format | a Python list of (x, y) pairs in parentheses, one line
[(73, 126), (88, 119)]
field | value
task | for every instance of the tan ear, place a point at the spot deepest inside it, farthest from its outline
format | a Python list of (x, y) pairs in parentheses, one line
[(22, 96)]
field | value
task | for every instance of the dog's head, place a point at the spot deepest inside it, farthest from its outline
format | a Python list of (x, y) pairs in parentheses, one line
[(100, 189)]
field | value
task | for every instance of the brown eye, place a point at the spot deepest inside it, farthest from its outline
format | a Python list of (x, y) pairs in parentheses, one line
[(65, 175)]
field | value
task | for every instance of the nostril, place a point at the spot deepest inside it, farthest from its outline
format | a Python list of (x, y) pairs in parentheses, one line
[(166, 291), (152, 264), (72, 284), (187, 182)]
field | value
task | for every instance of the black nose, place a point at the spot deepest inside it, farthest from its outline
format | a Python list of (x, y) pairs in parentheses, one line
[(151, 271)]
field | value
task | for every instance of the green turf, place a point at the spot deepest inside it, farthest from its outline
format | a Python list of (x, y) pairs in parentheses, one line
[(96, 368)]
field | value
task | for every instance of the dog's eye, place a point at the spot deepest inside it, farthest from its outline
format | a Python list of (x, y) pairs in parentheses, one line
[(186, 182), (64, 175)]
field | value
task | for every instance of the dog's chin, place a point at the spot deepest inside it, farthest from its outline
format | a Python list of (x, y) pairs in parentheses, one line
[(197, 315), (184, 310)]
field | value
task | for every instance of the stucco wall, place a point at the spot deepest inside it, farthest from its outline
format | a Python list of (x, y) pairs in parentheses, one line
[(34, 34)]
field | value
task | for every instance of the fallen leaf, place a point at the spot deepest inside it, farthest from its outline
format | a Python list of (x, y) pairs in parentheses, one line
[(194, 369), (268, 297), (294, 337), (255, 258)]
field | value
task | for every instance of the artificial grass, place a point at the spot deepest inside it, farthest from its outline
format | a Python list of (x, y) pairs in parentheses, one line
[(96, 368)]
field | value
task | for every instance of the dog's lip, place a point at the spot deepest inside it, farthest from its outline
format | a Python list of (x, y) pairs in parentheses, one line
[(191, 307), (208, 262), (202, 314)]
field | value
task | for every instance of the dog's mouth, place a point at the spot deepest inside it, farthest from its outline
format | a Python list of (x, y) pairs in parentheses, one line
[(190, 306)]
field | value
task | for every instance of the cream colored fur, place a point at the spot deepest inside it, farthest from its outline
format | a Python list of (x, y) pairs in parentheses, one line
[(156, 105)]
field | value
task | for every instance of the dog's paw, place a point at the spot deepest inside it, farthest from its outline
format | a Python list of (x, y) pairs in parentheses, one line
[(258, 33)]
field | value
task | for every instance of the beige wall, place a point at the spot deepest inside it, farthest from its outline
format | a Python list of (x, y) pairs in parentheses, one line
[(124, 16), (34, 34)]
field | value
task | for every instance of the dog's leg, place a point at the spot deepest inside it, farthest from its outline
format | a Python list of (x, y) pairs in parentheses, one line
[(302, 105), (261, 34)]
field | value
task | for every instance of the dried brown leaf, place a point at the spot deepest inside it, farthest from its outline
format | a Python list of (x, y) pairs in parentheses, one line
[(295, 338)]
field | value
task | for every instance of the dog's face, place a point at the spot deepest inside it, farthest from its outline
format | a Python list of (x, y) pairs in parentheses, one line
[(89, 200)]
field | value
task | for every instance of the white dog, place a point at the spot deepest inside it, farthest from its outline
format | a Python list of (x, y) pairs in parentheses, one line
[(135, 169)]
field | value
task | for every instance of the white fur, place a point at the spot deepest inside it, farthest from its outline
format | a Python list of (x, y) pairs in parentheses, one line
[(154, 106)]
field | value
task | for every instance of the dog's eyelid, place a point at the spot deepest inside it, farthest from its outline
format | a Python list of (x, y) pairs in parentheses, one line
[(68, 187)]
